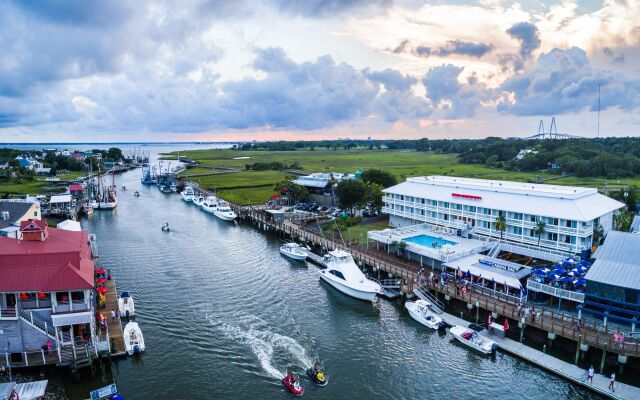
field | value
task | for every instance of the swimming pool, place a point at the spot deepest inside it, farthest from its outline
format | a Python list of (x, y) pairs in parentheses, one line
[(429, 241)]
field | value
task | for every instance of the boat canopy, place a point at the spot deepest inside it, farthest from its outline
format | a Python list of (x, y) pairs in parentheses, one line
[(125, 294), (342, 261)]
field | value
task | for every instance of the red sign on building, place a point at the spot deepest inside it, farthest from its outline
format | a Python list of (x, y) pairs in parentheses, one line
[(466, 196)]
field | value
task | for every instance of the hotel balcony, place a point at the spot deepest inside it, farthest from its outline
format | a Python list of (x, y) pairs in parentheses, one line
[(554, 291)]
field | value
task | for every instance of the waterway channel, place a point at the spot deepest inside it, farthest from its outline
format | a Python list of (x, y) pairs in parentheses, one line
[(225, 315)]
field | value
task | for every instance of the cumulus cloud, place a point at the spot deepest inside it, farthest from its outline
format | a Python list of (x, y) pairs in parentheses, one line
[(454, 99), (616, 57), (529, 37), (564, 81)]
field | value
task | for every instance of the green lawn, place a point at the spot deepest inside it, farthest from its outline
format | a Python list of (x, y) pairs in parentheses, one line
[(247, 187), (401, 163), (360, 231)]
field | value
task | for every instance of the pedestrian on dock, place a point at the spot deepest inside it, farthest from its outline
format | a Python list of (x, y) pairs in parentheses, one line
[(590, 374), (612, 382)]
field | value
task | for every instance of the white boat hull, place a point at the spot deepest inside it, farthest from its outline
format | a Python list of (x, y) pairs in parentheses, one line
[(127, 309), (416, 314), (224, 217), (104, 205), (349, 291), (487, 347), (187, 198), (293, 256), (133, 339)]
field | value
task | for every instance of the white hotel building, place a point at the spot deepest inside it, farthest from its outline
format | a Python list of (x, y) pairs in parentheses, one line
[(472, 206)]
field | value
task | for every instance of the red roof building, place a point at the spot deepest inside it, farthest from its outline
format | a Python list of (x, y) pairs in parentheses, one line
[(75, 187), (61, 261)]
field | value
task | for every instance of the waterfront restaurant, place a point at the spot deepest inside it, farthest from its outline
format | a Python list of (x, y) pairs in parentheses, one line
[(472, 206), (46, 306), (613, 281)]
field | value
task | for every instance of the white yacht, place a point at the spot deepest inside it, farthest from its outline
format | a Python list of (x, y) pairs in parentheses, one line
[(420, 310), (293, 251), (188, 194), (198, 200), (126, 305), (219, 208), (343, 274), (133, 339), (472, 339)]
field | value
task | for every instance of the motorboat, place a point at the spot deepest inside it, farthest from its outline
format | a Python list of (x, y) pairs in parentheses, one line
[(198, 200), (173, 187), (293, 251), (165, 227), (136, 194), (471, 338), (87, 209), (133, 339), (188, 194), (420, 310), (292, 384), (224, 212), (317, 376), (219, 208), (165, 189), (343, 274), (126, 305)]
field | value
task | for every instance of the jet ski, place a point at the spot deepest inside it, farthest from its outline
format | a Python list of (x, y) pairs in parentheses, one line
[(317, 376), (292, 384)]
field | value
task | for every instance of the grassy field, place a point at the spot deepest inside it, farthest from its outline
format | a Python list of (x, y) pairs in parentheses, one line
[(248, 187), (360, 231), (401, 163), (39, 185)]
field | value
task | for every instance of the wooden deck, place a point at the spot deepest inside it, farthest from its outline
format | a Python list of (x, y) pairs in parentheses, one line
[(114, 327), (552, 364), (592, 333)]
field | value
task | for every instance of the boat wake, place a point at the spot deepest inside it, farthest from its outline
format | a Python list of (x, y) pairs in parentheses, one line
[(274, 351)]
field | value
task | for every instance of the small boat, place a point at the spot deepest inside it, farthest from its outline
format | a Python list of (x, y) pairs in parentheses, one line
[(198, 200), (124, 187), (317, 376), (136, 194), (472, 339), (133, 339), (188, 194), (420, 310), (173, 187), (87, 209), (293, 251), (165, 227), (292, 384), (126, 305), (343, 274)]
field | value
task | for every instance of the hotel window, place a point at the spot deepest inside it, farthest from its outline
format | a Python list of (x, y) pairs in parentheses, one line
[(517, 216), (517, 230), (445, 204), (571, 224), (472, 209), (433, 214), (552, 236), (446, 217), (457, 206), (434, 202), (486, 211), (422, 201), (532, 218), (485, 224)]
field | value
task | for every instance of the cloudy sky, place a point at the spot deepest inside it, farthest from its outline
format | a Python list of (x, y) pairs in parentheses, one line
[(101, 70)]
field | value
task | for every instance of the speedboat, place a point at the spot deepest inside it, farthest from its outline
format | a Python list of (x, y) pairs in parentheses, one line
[(293, 251), (198, 200), (224, 212), (292, 384), (165, 227), (472, 339), (133, 339), (317, 376), (136, 194), (188, 194), (420, 310), (343, 274), (126, 305)]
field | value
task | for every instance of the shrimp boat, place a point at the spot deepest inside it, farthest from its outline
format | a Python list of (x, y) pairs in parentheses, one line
[(420, 310), (343, 274), (293, 251), (105, 197), (133, 339), (126, 305), (471, 338)]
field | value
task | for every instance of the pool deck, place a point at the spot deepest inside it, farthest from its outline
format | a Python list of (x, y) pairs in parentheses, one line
[(552, 364)]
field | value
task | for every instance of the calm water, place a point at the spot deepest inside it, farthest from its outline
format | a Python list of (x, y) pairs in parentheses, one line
[(224, 316)]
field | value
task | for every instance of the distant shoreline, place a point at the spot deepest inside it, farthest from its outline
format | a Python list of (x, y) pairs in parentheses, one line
[(103, 143)]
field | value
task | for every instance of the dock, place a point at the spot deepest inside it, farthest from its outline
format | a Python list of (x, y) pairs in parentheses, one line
[(555, 365), (114, 328)]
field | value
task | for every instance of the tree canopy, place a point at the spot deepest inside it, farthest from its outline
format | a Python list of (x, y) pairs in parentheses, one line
[(383, 178)]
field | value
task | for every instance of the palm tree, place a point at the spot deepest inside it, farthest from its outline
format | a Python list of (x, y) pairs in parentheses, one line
[(501, 224), (539, 230)]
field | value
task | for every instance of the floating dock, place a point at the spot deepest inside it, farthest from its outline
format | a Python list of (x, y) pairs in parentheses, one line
[(555, 365)]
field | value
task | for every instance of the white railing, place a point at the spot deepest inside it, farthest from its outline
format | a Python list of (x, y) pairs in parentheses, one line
[(555, 291), (7, 313)]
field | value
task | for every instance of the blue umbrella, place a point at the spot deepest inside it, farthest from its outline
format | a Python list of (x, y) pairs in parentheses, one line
[(540, 271), (558, 271), (581, 282), (566, 279)]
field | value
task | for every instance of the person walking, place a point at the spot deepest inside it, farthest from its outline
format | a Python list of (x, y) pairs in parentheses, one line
[(590, 374), (612, 382)]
